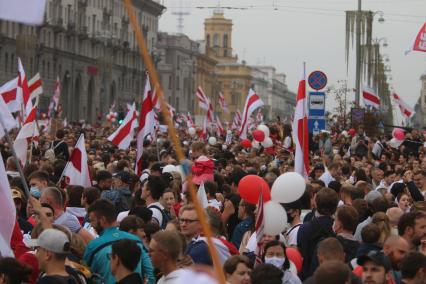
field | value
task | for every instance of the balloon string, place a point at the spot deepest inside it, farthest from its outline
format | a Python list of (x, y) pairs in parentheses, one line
[(174, 137)]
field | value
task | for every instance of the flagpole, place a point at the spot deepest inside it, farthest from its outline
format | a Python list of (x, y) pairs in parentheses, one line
[(304, 112), (17, 163), (173, 136)]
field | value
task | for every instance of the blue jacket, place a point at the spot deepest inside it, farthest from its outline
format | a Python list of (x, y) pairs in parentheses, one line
[(97, 258), (199, 252), (240, 230)]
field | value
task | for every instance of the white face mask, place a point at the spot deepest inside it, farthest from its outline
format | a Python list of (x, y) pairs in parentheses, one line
[(275, 261)]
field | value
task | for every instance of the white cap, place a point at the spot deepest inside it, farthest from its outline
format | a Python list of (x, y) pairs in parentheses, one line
[(51, 240)]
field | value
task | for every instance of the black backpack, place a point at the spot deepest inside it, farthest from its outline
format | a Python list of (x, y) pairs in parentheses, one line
[(166, 216)]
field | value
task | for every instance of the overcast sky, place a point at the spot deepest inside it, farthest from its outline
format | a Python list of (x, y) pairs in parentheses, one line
[(284, 33)]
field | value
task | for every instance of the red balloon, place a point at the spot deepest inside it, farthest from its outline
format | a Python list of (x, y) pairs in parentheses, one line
[(352, 132), (246, 143), (295, 257), (250, 188), (259, 135)]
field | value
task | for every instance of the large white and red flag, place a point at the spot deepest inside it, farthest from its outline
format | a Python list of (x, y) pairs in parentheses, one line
[(253, 102), (7, 213), (260, 229), (8, 93), (146, 124), (23, 11), (219, 126), (236, 123), (124, 134), (300, 130), (406, 110), (203, 101), (189, 121), (7, 121), (371, 99), (222, 103), (54, 102), (35, 87), (23, 91), (419, 42), (76, 171), (27, 134)]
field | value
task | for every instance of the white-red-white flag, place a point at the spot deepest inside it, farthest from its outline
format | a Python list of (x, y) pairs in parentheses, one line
[(253, 102), (406, 110), (419, 42), (171, 110), (23, 11), (236, 123), (146, 124), (189, 121), (371, 99), (300, 130), (54, 102), (7, 213), (222, 103), (35, 87), (260, 229), (220, 129), (203, 101), (259, 117), (7, 121), (23, 91), (76, 171), (8, 93), (27, 134), (124, 134)]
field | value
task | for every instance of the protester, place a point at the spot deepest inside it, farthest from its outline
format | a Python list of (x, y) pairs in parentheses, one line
[(237, 269), (413, 268), (376, 268), (125, 256)]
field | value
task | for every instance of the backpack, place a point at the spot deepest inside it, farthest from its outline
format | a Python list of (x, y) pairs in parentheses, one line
[(166, 216), (50, 153)]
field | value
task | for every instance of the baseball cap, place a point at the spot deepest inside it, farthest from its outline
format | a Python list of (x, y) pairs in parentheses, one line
[(377, 257), (52, 240), (124, 176)]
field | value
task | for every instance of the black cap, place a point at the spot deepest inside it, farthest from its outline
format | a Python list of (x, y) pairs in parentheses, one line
[(377, 257)]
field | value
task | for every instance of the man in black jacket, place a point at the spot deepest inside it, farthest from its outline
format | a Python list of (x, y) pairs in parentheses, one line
[(60, 146), (319, 228)]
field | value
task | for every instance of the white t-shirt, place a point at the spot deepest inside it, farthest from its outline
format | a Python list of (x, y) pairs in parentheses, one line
[(172, 277), (291, 235), (156, 214)]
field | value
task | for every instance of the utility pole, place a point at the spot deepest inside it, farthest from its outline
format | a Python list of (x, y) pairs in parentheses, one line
[(358, 56)]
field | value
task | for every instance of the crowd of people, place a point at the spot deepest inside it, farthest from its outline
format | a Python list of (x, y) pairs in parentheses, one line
[(361, 219)]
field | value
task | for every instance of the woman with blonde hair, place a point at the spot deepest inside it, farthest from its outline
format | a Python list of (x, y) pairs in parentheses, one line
[(382, 221)]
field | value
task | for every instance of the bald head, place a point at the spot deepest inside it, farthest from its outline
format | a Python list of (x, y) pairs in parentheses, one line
[(394, 213), (396, 247)]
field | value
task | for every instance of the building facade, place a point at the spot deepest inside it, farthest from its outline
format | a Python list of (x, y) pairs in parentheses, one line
[(90, 46), (418, 120)]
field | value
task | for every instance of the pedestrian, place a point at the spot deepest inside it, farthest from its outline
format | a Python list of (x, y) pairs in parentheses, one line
[(237, 270), (125, 256)]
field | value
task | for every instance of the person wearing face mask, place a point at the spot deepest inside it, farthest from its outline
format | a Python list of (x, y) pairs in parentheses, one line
[(293, 210), (38, 181), (274, 253)]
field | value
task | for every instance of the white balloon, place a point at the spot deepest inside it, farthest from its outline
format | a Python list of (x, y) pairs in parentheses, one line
[(229, 132), (191, 131), (267, 142), (288, 187), (169, 169), (345, 133), (275, 218), (224, 147), (264, 128), (212, 140)]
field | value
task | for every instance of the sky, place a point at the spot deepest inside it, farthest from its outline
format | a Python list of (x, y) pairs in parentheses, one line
[(285, 33)]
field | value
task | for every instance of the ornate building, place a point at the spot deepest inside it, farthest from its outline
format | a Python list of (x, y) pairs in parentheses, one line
[(418, 120), (90, 46)]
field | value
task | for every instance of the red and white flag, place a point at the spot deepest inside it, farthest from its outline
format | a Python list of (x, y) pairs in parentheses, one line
[(35, 87), (300, 130), (220, 129), (23, 11), (27, 134), (253, 102), (7, 121), (371, 99), (419, 42), (124, 134), (203, 101), (406, 110), (236, 123), (171, 110), (23, 91), (146, 124), (260, 229), (189, 121), (259, 117), (54, 103), (8, 92), (76, 171), (7, 213), (222, 103)]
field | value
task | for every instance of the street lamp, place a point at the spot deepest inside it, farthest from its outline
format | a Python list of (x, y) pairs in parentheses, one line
[(381, 18), (378, 40)]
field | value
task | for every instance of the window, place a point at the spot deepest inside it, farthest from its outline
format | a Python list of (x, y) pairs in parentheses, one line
[(208, 41), (6, 61), (215, 40), (48, 69), (12, 60), (177, 83), (225, 40), (170, 81)]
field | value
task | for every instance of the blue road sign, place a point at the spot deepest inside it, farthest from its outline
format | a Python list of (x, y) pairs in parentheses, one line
[(316, 125), (317, 80)]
